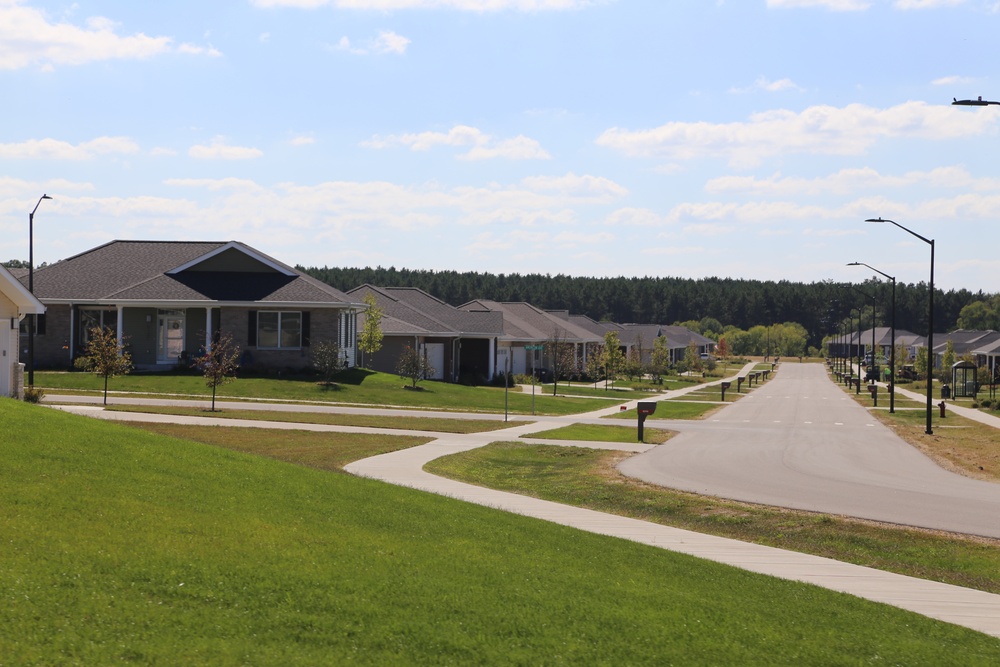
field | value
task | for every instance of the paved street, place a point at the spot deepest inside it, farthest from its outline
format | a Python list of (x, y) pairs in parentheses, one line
[(800, 442)]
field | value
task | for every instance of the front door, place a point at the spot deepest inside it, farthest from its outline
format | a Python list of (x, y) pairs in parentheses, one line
[(170, 337)]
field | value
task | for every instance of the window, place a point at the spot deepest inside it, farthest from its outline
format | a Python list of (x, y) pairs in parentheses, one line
[(279, 329), (96, 319)]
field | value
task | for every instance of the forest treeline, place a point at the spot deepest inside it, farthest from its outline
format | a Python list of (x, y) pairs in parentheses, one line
[(819, 307)]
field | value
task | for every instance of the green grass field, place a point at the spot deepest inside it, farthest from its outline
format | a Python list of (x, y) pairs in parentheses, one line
[(357, 387), (602, 433), (121, 546)]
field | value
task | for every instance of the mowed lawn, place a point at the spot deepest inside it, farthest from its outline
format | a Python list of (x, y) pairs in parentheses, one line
[(121, 546), (355, 387)]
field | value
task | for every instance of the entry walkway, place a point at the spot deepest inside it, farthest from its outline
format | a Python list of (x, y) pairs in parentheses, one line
[(970, 608)]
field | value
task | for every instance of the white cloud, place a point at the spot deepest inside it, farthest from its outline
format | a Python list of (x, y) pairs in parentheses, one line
[(952, 80), (28, 38), (571, 183), (219, 150), (819, 130), (926, 4), (849, 181), (52, 149), (302, 140), (834, 5), (483, 146), (387, 42), (768, 86), (460, 5)]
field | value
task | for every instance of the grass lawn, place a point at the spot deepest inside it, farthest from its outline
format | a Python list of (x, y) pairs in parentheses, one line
[(673, 409), (438, 425), (602, 433), (121, 546), (589, 478), (357, 386)]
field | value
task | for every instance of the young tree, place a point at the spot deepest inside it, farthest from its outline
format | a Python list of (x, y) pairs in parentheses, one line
[(328, 360), (692, 359), (920, 364), (614, 358), (659, 358), (595, 363), (563, 357), (370, 338), (105, 356), (219, 365), (413, 366), (947, 361)]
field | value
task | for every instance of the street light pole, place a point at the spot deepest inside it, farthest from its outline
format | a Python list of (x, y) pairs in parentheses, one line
[(892, 337), (874, 306), (31, 288), (930, 320)]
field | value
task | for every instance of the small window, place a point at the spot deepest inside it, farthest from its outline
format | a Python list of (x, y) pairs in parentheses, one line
[(279, 330)]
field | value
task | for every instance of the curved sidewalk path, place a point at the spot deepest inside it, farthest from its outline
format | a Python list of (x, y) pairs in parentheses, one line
[(962, 606), (967, 607)]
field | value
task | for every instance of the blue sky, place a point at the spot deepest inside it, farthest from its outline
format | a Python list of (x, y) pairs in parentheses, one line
[(740, 138)]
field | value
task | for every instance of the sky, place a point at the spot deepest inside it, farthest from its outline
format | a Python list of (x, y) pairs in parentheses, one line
[(669, 138)]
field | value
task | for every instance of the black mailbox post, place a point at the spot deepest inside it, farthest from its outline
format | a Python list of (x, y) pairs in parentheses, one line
[(644, 409), (739, 383), (725, 386), (873, 389)]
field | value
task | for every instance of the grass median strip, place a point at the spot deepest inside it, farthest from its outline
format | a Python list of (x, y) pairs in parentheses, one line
[(588, 478), (433, 424), (670, 409), (602, 433), (324, 451)]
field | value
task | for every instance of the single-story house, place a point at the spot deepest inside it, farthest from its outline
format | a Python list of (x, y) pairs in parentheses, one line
[(458, 344), (527, 329), (167, 299), (16, 302)]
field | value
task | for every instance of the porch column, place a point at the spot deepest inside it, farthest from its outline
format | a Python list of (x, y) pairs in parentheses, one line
[(208, 329), (121, 323), (72, 332), (492, 358)]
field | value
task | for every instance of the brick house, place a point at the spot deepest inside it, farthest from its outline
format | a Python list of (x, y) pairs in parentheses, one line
[(166, 300)]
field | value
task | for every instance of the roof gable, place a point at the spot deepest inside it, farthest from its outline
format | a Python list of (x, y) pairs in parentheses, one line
[(233, 257), (177, 272)]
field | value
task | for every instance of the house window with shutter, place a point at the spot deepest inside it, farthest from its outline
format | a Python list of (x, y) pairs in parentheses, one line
[(279, 330)]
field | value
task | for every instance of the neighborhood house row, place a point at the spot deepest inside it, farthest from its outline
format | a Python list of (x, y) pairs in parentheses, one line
[(166, 299)]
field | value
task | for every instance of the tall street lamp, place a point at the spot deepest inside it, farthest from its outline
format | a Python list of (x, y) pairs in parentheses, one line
[(858, 383), (31, 288), (930, 320), (892, 337), (872, 297)]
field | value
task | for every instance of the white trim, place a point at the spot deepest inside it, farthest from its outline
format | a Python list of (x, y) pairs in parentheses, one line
[(235, 245), (25, 301)]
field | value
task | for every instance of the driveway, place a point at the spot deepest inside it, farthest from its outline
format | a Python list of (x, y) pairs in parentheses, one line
[(799, 441)]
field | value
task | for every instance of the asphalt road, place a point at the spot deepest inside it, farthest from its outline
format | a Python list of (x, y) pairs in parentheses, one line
[(798, 441)]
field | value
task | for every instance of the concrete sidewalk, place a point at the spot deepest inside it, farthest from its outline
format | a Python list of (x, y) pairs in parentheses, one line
[(953, 604)]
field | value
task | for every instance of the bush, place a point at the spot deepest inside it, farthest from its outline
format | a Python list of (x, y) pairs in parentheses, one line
[(33, 394), (986, 403)]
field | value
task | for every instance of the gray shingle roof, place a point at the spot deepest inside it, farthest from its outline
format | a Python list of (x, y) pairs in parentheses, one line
[(417, 312), (141, 271)]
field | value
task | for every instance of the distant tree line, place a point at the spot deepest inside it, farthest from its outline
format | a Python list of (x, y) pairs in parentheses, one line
[(818, 307)]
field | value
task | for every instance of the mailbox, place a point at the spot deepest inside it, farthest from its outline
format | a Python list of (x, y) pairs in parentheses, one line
[(644, 408)]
